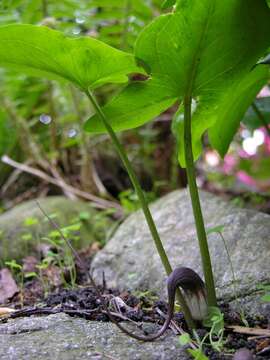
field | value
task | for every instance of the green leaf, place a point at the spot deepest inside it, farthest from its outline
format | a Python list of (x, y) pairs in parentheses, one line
[(184, 339), (251, 118), (263, 287), (266, 298), (73, 227), (30, 221), (167, 4), (139, 101), (214, 319), (197, 354), (205, 49), (30, 274), (40, 51), (215, 229), (265, 61)]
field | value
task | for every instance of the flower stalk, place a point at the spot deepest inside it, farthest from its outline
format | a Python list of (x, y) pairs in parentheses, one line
[(143, 202), (196, 206)]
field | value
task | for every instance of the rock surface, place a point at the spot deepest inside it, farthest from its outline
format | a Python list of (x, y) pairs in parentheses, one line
[(22, 227), (130, 260), (64, 338)]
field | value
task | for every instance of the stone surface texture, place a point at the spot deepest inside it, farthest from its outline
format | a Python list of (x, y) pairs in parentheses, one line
[(130, 260), (15, 241), (60, 337)]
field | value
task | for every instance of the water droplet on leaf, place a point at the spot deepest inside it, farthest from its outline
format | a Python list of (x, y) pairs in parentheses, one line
[(80, 20), (45, 119), (72, 133), (76, 31)]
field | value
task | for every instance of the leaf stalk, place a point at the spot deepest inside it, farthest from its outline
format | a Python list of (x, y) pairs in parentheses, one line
[(149, 219), (196, 206)]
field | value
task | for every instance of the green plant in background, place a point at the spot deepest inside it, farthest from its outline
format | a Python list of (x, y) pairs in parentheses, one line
[(197, 351), (63, 257), (26, 100), (130, 202), (208, 58), (186, 67), (266, 290), (96, 64)]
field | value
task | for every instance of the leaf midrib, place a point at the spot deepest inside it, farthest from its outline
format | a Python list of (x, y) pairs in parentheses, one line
[(196, 58)]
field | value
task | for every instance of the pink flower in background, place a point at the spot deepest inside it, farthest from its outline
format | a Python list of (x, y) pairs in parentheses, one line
[(245, 178), (229, 164), (266, 141), (243, 154), (264, 92)]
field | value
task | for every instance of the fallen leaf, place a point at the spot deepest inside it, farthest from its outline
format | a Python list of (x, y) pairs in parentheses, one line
[(43, 249), (30, 264), (54, 275), (8, 286), (262, 344)]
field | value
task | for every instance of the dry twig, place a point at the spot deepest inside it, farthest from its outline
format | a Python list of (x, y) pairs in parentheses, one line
[(97, 202)]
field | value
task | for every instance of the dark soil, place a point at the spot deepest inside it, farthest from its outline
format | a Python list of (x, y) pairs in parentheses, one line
[(84, 302)]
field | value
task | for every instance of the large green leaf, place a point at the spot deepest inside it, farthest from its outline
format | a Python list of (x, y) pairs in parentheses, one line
[(85, 61), (206, 49), (128, 110)]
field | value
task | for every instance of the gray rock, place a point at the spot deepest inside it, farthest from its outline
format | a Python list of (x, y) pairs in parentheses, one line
[(61, 337), (23, 227), (130, 260)]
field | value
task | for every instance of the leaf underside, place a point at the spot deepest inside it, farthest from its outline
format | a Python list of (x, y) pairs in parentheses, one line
[(85, 61), (205, 49)]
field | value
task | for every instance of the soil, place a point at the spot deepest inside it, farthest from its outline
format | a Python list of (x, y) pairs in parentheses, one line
[(52, 293), (85, 302)]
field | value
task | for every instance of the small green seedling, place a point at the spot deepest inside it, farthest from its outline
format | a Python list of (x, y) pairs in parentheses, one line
[(196, 352), (30, 221), (266, 290), (214, 337), (215, 321)]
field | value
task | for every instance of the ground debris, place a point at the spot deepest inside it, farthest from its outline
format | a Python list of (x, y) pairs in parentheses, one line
[(8, 286)]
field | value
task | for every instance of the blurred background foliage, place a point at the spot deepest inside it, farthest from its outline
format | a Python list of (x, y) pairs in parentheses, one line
[(41, 124)]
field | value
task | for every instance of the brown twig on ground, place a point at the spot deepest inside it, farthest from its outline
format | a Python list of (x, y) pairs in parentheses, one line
[(258, 337), (249, 331), (97, 202)]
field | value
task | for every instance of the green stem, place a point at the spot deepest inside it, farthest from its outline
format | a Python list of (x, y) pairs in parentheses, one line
[(196, 206), (143, 202), (126, 24), (45, 8)]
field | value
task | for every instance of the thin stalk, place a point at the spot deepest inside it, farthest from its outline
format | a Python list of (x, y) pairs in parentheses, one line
[(126, 24), (87, 164), (261, 117), (234, 282), (53, 126), (196, 206), (45, 8), (143, 202)]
